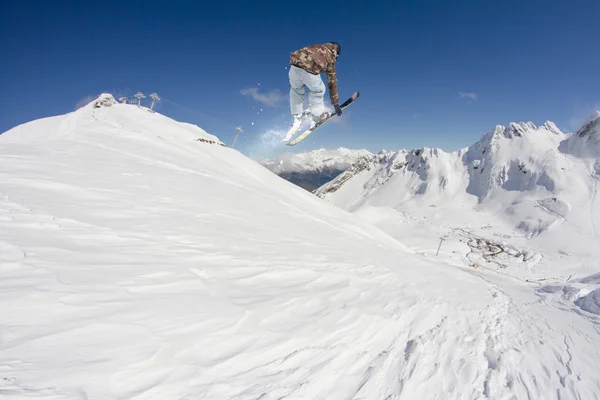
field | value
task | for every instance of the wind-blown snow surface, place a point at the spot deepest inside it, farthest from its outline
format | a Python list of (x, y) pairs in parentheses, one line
[(138, 262)]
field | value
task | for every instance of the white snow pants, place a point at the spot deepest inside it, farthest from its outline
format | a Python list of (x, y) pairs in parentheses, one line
[(299, 79)]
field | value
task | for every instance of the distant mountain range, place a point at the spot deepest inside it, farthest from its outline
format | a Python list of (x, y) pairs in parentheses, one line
[(313, 169), (531, 176)]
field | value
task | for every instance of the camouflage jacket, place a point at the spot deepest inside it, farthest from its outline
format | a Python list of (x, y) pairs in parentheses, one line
[(315, 59)]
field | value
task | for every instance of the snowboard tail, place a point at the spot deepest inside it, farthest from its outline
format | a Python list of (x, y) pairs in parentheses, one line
[(307, 132)]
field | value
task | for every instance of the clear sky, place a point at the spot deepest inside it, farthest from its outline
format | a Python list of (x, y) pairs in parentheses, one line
[(431, 72)]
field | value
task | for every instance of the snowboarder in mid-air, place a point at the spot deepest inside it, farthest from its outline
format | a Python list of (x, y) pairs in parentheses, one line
[(306, 65)]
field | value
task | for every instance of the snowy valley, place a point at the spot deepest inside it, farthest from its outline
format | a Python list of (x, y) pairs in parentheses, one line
[(141, 258)]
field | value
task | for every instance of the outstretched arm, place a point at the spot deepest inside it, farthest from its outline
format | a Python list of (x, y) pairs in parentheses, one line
[(332, 83)]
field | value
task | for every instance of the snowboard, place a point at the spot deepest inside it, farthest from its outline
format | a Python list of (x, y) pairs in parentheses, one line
[(307, 132)]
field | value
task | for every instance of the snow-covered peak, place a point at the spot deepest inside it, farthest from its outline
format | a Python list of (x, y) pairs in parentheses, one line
[(104, 100), (520, 129), (513, 129), (493, 162), (316, 160), (104, 113), (551, 126), (527, 132)]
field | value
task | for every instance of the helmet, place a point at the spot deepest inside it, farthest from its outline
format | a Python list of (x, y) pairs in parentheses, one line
[(338, 48)]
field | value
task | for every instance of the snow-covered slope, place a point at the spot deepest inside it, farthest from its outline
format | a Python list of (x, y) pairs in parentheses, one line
[(139, 262)]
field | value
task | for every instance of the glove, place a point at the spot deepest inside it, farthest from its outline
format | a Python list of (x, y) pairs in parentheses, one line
[(338, 110)]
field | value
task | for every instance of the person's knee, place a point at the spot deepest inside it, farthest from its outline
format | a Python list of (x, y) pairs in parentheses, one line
[(319, 89), (317, 93)]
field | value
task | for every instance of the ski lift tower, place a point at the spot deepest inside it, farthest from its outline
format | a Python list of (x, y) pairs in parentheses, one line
[(238, 130)]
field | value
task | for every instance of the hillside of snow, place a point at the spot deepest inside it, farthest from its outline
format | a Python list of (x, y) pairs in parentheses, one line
[(142, 259), (313, 169)]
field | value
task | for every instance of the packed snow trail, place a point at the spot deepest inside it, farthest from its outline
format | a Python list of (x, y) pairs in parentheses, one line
[(139, 263)]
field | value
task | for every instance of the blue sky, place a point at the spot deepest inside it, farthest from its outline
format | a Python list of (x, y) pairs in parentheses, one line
[(411, 60)]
